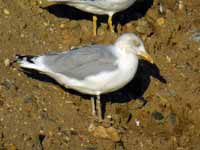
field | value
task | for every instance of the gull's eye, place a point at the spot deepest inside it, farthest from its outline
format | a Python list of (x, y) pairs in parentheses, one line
[(136, 43)]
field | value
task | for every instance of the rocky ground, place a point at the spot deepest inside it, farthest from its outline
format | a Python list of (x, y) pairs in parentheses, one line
[(36, 113)]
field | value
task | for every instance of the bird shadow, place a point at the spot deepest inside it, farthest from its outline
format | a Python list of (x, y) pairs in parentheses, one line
[(135, 89), (136, 11)]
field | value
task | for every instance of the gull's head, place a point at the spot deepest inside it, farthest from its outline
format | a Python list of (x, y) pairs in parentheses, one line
[(131, 43)]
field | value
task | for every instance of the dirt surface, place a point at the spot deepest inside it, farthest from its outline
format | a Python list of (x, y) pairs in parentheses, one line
[(40, 115)]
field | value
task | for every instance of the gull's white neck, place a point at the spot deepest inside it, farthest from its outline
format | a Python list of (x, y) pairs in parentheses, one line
[(127, 63), (126, 60)]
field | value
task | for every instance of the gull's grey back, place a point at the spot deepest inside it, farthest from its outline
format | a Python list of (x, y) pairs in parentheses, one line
[(82, 62)]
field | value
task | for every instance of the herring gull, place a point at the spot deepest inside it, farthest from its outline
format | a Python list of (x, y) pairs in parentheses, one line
[(93, 69)]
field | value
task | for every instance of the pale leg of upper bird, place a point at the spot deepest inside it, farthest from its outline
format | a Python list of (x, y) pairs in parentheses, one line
[(99, 108), (94, 25), (110, 23), (93, 107)]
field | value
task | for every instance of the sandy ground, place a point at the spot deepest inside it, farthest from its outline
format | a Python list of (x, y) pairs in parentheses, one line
[(37, 114)]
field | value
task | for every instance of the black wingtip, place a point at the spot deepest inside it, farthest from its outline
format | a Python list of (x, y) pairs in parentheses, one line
[(28, 58), (19, 57)]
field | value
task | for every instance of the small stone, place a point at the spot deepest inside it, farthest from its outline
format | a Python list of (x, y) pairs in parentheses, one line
[(172, 92), (45, 24), (109, 117), (137, 122), (107, 133), (29, 99), (180, 5), (157, 115), (100, 131), (7, 62), (7, 84), (172, 118), (42, 131), (160, 21), (91, 127), (66, 138), (168, 59), (62, 26), (22, 35), (6, 11), (196, 36)]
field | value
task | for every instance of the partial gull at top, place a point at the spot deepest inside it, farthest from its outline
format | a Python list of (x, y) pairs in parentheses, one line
[(100, 7)]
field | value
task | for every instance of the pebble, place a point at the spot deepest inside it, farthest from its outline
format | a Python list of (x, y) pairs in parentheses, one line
[(7, 84), (29, 99), (196, 36), (106, 133), (172, 118), (66, 138), (6, 11), (180, 5), (168, 59), (160, 21), (109, 117), (172, 92), (62, 25), (137, 122), (7, 62), (45, 24), (91, 127), (157, 115)]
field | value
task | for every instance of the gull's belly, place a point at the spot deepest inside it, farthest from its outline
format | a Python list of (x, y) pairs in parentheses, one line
[(103, 83), (102, 7), (113, 81)]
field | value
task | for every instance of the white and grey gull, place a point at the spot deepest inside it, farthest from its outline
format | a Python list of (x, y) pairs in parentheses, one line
[(99, 7), (93, 69)]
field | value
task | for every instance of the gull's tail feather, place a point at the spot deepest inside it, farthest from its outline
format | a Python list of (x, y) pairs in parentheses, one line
[(29, 62)]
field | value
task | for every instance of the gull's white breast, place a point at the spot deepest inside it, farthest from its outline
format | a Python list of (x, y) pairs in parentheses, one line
[(108, 7)]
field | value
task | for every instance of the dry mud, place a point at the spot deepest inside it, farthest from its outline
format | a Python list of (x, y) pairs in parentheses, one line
[(37, 114)]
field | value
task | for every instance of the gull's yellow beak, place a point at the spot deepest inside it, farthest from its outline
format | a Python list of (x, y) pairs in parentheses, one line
[(146, 56)]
